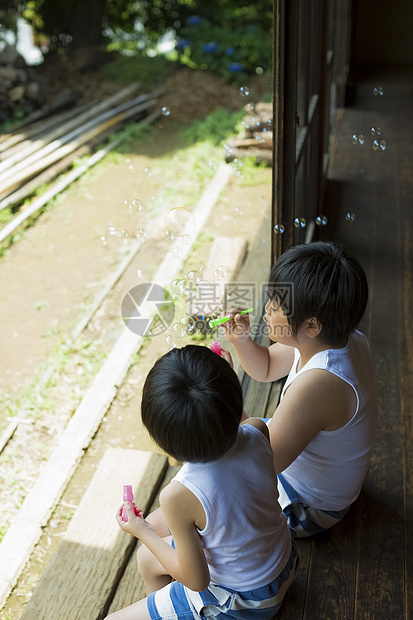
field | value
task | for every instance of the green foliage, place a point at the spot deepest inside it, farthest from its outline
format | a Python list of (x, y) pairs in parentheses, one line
[(216, 128), (147, 71), (234, 47), (131, 133), (10, 122), (229, 37)]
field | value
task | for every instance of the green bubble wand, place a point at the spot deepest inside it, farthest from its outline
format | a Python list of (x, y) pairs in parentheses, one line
[(213, 323)]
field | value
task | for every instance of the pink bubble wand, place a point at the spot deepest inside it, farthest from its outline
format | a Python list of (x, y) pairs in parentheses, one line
[(128, 497)]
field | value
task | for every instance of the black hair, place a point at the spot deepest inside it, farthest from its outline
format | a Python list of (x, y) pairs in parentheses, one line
[(323, 281), (192, 404)]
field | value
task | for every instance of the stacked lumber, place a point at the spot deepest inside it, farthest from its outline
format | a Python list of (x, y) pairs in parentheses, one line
[(20, 86), (36, 153), (257, 138)]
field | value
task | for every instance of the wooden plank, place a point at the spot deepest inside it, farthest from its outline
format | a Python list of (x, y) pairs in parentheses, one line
[(381, 557), (294, 601), (331, 578), (61, 147), (383, 569), (131, 588), (256, 398), (406, 371), (274, 397), (86, 568), (58, 134)]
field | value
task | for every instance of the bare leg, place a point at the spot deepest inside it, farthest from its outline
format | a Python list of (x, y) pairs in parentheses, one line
[(152, 572), (157, 520), (137, 611)]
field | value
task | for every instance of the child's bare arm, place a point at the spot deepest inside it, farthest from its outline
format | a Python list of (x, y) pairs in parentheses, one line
[(261, 363), (260, 424), (316, 400), (186, 563), (184, 514)]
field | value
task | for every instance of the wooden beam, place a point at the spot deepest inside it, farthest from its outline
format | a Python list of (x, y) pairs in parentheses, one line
[(82, 576)]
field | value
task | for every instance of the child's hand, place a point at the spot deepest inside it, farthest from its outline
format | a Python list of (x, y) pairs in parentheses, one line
[(238, 329), (227, 357), (135, 525)]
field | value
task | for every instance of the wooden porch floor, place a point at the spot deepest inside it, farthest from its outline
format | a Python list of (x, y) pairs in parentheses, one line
[(363, 568)]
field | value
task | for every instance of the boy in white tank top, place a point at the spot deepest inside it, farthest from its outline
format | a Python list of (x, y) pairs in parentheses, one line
[(324, 428), (231, 551)]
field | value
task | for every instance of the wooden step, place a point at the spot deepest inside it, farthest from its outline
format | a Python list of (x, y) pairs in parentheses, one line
[(81, 579)]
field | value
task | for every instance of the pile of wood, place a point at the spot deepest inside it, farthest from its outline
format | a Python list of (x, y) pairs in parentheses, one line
[(257, 139), (20, 86), (38, 151)]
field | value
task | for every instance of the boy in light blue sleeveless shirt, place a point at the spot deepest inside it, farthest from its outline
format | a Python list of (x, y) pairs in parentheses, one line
[(231, 553), (324, 428)]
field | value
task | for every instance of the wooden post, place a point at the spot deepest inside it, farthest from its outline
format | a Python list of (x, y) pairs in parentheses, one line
[(284, 120)]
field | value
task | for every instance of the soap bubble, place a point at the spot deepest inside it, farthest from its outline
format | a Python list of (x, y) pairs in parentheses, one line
[(103, 240), (279, 229), (300, 222), (250, 108), (378, 91), (187, 239), (113, 232), (350, 217), (139, 273), (170, 235), (193, 276), (379, 145), (179, 287), (136, 205), (171, 342), (189, 324), (147, 171), (180, 220), (165, 111), (321, 220), (221, 272), (178, 252), (357, 138), (244, 91), (141, 235), (375, 131), (179, 330)]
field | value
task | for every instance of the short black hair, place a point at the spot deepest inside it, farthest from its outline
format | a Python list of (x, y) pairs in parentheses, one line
[(325, 282), (192, 404)]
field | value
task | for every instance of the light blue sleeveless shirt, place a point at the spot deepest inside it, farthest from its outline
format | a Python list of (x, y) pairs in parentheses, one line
[(328, 474), (246, 540)]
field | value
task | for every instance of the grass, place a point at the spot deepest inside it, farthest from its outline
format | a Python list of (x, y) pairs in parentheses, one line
[(149, 72)]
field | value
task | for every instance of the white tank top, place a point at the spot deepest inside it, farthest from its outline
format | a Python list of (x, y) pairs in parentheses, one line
[(246, 539), (329, 473)]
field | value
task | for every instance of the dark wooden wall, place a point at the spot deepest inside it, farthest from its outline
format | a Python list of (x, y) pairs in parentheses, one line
[(382, 31)]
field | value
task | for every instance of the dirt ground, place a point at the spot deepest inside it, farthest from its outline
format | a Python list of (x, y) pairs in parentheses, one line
[(55, 270), (52, 275)]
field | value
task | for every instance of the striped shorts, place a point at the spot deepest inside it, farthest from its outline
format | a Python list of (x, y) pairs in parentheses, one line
[(175, 601), (302, 519)]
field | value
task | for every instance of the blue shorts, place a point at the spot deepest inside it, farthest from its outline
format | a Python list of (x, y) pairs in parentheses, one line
[(175, 601), (302, 519)]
